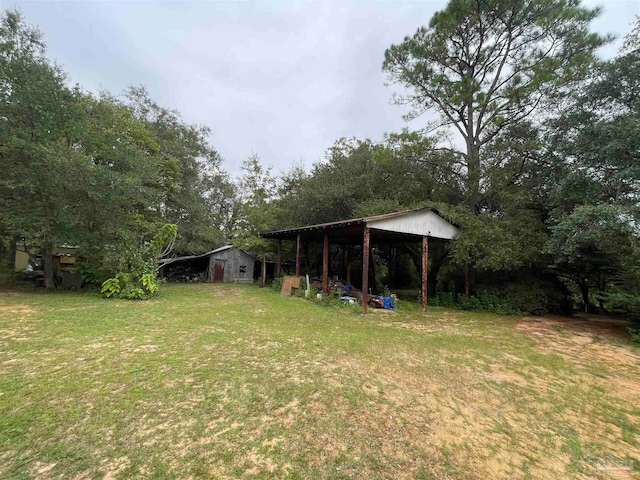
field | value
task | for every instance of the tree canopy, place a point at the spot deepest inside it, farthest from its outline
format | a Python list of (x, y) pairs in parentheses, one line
[(485, 66), (531, 145)]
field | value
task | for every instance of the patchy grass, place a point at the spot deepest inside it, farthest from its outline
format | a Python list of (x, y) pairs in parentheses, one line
[(226, 381)]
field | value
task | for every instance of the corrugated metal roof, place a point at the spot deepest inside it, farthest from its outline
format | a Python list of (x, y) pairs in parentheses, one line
[(166, 261), (346, 223)]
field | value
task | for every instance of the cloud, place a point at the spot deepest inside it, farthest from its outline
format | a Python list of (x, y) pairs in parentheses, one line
[(283, 79)]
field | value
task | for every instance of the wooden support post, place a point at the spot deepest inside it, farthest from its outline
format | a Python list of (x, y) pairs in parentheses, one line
[(279, 267), (325, 264), (365, 270), (425, 266), (263, 273), (298, 256)]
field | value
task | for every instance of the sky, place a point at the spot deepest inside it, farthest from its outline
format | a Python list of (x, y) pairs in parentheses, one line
[(281, 79)]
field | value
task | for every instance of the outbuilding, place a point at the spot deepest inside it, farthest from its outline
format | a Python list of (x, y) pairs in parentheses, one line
[(416, 225), (224, 264)]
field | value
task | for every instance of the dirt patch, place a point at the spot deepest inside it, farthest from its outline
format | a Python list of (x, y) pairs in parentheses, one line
[(112, 468), (585, 325), (17, 309), (41, 469), (579, 339)]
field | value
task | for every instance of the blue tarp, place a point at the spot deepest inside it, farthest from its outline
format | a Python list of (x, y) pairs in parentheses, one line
[(388, 304)]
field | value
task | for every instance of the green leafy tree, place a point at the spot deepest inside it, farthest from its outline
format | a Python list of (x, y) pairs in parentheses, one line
[(122, 184), (85, 169), (484, 66), (199, 195), (361, 177), (37, 154), (257, 209), (594, 165), (593, 246)]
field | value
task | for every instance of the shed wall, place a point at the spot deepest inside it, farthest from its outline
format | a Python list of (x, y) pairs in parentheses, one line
[(234, 259)]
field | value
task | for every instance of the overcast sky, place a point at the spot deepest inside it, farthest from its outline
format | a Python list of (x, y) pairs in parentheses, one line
[(281, 79)]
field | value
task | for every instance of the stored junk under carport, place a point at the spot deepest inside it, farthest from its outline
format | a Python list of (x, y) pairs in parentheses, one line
[(405, 226), (224, 264)]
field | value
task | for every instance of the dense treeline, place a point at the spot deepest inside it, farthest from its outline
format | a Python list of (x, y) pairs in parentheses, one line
[(97, 171), (535, 154)]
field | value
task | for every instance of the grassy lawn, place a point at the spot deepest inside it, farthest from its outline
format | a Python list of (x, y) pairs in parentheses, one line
[(227, 381)]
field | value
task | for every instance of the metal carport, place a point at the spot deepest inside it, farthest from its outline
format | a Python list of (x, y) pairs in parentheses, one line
[(418, 224)]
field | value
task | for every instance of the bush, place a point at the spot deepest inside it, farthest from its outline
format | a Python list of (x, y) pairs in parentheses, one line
[(485, 302), (277, 284), (482, 302), (139, 281), (91, 273), (531, 298), (123, 285), (528, 292), (443, 299)]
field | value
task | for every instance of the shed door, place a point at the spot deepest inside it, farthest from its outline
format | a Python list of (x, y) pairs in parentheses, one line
[(218, 270)]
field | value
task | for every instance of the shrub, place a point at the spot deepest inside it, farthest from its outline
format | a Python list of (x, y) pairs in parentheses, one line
[(443, 299), (486, 302), (277, 284), (123, 285), (91, 273), (482, 302), (139, 281), (530, 298)]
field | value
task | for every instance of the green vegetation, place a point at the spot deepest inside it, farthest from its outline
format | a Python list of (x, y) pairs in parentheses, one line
[(534, 153), (136, 279), (95, 171), (220, 381)]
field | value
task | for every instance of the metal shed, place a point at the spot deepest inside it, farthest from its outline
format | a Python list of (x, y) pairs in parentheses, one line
[(230, 264), (224, 264), (407, 225)]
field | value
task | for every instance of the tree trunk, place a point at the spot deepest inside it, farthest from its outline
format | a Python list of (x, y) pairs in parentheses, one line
[(11, 257), (49, 281), (415, 257), (473, 169), (467, 280), (436, 264), (473, 190), (584, 290)]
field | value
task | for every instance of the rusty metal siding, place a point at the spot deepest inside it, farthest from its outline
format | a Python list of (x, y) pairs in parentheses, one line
[(423, 223)]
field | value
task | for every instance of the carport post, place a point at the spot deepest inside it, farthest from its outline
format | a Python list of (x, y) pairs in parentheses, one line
[(425, 266), (298, 255), (365, 270), (325, 264), (279, 268)]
